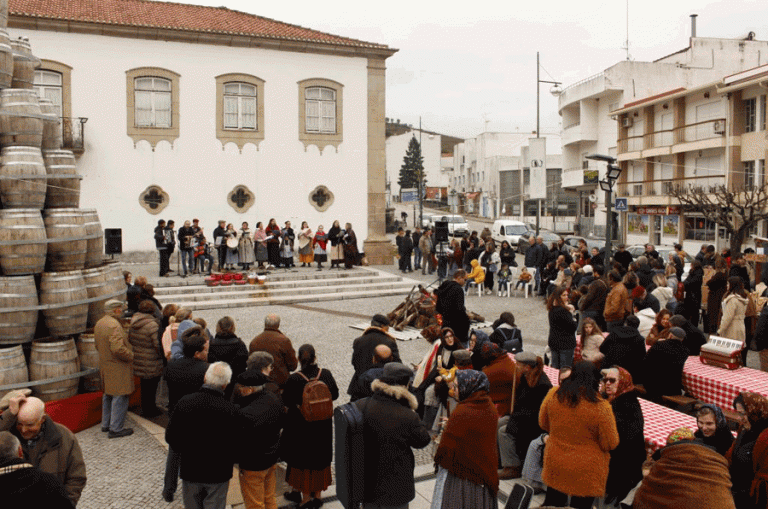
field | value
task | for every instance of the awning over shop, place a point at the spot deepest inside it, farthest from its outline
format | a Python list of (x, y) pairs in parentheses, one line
[(472, 196)]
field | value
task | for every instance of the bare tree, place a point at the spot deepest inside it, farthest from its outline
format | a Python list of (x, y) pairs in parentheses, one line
[(736, 210)]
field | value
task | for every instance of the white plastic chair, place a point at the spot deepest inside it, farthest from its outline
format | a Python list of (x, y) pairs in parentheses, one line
[(479, 286), (513, 273), (529, 285)]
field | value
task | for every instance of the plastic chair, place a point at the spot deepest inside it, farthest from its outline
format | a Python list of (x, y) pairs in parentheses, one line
[(479, 286), (532, 282)]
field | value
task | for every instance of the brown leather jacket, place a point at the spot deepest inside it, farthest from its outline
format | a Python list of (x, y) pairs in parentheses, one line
[(617, 303), (277, 344)]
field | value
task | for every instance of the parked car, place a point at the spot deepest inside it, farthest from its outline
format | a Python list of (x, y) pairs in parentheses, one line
[(457, 225), (638, 250), (509, 230), (548, 236), (572, 241)]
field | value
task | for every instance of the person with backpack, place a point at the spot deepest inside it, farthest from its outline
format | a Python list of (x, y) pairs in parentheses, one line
[(307, 440), (506, 334)]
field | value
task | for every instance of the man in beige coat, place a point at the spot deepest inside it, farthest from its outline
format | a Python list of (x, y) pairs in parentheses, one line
[(115, 359)]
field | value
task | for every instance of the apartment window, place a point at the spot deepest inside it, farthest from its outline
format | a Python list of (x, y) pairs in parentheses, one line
[(698, 228), (585, 164), (48, 85), (667, 188), (749, 174), (761, 173), (152, 102), (153, 105), (750, 115), (638, 189), (239, 106), (239, 109), (320, 112)]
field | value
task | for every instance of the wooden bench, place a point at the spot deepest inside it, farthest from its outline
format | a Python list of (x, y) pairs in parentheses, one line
[(683, 404)]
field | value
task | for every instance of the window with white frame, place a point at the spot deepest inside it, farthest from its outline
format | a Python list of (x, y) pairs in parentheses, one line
[(320, 110), (750, 115), (240, 106), (152, 102), (749, 174), (48, 85)]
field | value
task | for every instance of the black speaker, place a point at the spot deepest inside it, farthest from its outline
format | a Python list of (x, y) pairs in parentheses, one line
[(113, 241), (441, 231)]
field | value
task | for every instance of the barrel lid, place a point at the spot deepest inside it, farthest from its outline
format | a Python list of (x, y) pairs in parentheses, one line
[(58, 153)]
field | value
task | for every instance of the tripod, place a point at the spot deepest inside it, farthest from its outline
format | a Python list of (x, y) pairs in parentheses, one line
[(441, 252)]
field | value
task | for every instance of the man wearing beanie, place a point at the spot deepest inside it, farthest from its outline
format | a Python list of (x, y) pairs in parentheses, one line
[(663, 366), (364, 346), (262, 419), (392, 428), (521, 426)]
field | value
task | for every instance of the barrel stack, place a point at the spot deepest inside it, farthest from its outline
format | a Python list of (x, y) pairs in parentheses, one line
[(53, 276)]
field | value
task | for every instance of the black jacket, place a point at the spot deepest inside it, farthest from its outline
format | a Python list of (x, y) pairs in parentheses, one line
[(185, 236), (392, 428), (562, 329), (644, 276), (203, 430), (183, 376), (363, 387), (624, 258), (532, 258), (594, 300), (625, 347), (450, 304), (625, 467), (721, 440), (507, 255), (692, 302), (761, 329), (160, 238), (743, 273), (524, 421), (232, 350), (261, 419), (32, 488), (362, 353), (694, 338), (663, 369)]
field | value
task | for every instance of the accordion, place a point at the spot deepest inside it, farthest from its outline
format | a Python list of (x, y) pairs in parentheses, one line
[(721, 353)]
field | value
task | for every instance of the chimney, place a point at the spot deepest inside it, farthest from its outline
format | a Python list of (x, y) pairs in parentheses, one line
[(693, 25)]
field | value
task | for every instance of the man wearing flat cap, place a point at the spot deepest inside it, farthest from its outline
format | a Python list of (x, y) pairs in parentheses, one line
[(521, 426), (392, 428), (115, 360), (364, 346)]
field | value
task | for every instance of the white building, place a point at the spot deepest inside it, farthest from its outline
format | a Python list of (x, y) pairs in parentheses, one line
[(586, 106), (212, 113)]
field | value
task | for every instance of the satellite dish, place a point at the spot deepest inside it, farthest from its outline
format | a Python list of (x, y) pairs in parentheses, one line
[(592, 198)]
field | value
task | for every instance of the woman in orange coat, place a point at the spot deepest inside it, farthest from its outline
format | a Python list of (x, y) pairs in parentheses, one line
[(582, 432)]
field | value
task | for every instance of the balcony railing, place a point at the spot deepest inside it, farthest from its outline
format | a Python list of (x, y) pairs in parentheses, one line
[(708, 129), (73, 133), (664, 187)]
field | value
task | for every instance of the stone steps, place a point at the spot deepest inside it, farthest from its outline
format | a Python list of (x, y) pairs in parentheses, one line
[(285, 288)]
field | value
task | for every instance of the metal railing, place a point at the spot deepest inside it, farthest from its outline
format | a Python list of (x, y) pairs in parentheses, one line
[(705, 130), (664, 187), (73, 133)]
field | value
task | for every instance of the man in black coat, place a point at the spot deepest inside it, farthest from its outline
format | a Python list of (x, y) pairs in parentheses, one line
[(203, 431), (23, 485), (761, 337), (739, 269), (623, 256), (517, 430), (644, 273), (625, 347), (382, 355), (694, 338), (450, 305), (392, 427), (261, 420), (663, 366), (162, 248), (592, 304), (219, 234), (364, 346)]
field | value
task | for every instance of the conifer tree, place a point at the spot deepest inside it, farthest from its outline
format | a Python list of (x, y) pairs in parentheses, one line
[(413, 166)]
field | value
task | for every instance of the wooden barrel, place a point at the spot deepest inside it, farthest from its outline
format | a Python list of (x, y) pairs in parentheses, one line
[(13, 367), (23, 178), (65, 302), (23, 242), (52, 138), (67, 243), (24, 63), (63, 189), (6, 53), (22, 123), (3, 13), (52, 360), (103, 283), (18, 310), (89, 358), (95, 234)]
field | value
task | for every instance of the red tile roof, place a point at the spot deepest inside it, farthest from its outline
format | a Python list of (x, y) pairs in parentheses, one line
[(175, 16)]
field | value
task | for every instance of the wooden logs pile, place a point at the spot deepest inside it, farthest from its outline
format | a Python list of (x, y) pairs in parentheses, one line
[(418, 310)]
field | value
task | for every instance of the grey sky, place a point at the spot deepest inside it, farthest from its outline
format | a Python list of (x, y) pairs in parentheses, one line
[(461, 63)]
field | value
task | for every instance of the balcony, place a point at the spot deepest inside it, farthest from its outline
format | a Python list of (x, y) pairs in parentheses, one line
[(659, 191), (696, 136), (73, 134), (578, 132)]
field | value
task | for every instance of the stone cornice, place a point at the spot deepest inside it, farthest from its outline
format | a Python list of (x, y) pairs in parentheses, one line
[(198, 37)]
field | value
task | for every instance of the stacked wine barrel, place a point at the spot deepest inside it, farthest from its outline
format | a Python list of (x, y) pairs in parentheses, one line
[(53, 278)]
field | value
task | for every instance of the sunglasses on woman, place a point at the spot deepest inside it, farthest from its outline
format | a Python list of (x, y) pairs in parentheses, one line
[(610, 380)]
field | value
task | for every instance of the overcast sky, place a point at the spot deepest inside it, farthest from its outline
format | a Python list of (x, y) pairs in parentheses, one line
[(461, 64)]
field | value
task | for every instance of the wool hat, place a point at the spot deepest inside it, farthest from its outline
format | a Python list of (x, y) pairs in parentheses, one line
[(677, 332), (396, 373), (112, 304), (380, 320), (587, 269), (252, 378), (527, 358), (637, 292)]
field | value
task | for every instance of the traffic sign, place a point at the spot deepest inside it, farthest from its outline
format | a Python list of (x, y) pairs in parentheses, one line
[(620, 205)]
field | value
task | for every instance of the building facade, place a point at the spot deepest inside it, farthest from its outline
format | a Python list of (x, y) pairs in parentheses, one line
[(223, 115)]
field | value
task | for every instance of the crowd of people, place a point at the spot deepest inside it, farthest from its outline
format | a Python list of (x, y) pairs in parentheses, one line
[(265, 247)]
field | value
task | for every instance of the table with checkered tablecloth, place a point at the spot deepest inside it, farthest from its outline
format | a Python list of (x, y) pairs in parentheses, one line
[(720, 386)]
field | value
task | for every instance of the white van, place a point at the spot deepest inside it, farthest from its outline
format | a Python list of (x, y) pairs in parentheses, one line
[(509, 230)]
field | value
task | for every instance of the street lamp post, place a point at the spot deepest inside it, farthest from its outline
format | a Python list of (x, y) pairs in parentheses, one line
[(612, 175), (555, 91)]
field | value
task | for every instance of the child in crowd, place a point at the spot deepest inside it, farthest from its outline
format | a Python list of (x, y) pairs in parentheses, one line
[(504, 275), (523, 279)]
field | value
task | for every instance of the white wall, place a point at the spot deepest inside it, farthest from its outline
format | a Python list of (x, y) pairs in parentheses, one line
[(195, 171)]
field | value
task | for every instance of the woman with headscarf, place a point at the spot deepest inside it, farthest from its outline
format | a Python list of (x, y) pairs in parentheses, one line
[(475, 343), (351, 254), (273, 243), (500, 370), (305, 245), (466, 457), (260, 241), (439, 356), (713, 428), (660, 328), (287, 237), (625, 467), (319, 244), (582, 432), (740, 455), (337, 247), (686, 475)]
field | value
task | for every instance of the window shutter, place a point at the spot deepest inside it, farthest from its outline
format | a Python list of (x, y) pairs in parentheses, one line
[(249, 112), (313, 114), (230, 112), (143, 108), (162, 109)]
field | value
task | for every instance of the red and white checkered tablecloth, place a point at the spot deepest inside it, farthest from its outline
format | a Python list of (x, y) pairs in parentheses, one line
[(720, 386), (659, 420)]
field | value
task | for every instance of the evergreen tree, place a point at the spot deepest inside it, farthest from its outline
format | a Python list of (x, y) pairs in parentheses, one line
[(413, 165)]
